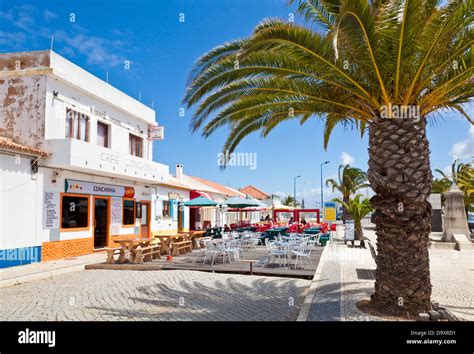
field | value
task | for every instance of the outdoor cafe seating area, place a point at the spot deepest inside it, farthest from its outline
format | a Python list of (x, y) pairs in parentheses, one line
[(271, 253)]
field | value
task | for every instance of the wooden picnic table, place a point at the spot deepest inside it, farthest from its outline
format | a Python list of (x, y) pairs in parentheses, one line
[(129, 245), (166, 239), (194, 236)]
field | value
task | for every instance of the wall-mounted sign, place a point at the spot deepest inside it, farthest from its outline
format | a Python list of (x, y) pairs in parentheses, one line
[(81, 187), (51, 210), (330, 211), (142, 165), (116, 211), (156, 132)]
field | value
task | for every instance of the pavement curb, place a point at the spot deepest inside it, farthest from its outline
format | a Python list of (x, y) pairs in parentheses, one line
[(308, 300), (40, 275)]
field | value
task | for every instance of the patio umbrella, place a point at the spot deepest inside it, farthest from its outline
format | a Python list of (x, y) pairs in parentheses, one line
[(240, 203), (259, 203), (199, 202)]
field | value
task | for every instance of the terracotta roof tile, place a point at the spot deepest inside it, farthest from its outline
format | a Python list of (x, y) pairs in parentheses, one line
[(254, 192), (11, 145), (217, 186)]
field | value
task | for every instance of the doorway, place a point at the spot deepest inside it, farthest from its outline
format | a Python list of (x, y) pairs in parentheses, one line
[(145, 219), (101, 221)]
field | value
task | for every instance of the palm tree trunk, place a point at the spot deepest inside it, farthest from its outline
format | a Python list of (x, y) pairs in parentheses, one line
[(400, 175), (345, 214), (359, 234)]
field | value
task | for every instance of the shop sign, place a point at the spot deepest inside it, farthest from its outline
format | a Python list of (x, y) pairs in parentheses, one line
[(81, 187), (136, 163), (156, 132), (51, 210)]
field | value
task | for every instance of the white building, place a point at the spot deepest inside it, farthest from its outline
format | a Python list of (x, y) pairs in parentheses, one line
[(76, 163)]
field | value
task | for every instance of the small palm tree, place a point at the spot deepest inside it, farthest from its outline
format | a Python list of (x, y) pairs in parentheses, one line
[(290, 201), (350, 180), (357, 209), (382, 66)]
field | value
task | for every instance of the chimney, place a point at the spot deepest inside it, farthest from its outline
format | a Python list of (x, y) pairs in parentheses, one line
[(179, 171)]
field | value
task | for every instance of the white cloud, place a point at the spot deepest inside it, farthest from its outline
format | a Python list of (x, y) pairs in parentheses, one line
[(465, 148), (71, 41), (12, 40), (49, 15), (347, 159)]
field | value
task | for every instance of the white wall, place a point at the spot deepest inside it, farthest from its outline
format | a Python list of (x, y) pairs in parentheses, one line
[(119, 128), (20, 202), (84, 80)]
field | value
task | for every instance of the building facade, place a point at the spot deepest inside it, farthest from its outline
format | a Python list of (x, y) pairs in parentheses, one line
[(80, 172)]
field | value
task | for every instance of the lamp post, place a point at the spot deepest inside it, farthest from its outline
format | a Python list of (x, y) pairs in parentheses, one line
[(322, 193), (294, 189)]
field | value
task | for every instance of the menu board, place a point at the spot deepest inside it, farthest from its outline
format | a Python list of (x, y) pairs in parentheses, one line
[(116, 210), (349, 232), (51, 210)]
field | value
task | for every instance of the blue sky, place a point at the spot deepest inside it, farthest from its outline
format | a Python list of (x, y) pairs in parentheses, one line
[(161, 50)]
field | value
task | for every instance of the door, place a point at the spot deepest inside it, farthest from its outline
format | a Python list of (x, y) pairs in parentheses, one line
[(145, 219), (101, 221)]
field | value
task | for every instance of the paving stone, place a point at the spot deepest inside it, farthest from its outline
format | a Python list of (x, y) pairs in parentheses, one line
[(153, 295)]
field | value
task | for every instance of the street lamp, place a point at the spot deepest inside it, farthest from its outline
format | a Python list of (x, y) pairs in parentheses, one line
[(294, 189), (322, 193)]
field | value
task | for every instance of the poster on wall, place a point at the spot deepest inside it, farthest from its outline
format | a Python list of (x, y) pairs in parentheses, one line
[(116, 211), (51, 210)]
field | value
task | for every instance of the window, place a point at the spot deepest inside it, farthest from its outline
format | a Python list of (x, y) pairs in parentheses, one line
[(128, 212), (74, 212), (166, 208), (102, 134), (77, 125), (144, 215), (136, 145)]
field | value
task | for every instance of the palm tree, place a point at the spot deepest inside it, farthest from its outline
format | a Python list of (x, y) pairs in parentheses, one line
[(358, 63), (351, 179), (357, 210), (290, 201)]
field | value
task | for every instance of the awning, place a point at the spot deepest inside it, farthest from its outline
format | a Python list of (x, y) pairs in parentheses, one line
[(195, 194)]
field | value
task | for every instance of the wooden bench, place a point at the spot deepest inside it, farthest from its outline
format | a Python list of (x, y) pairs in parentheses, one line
[(147, 253), (111, 252), (186, 246)]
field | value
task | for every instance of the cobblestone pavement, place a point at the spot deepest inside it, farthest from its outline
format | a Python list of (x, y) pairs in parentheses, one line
[(154, 295), (350, 269), (452, 277), (50, 266), (340, 287)]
